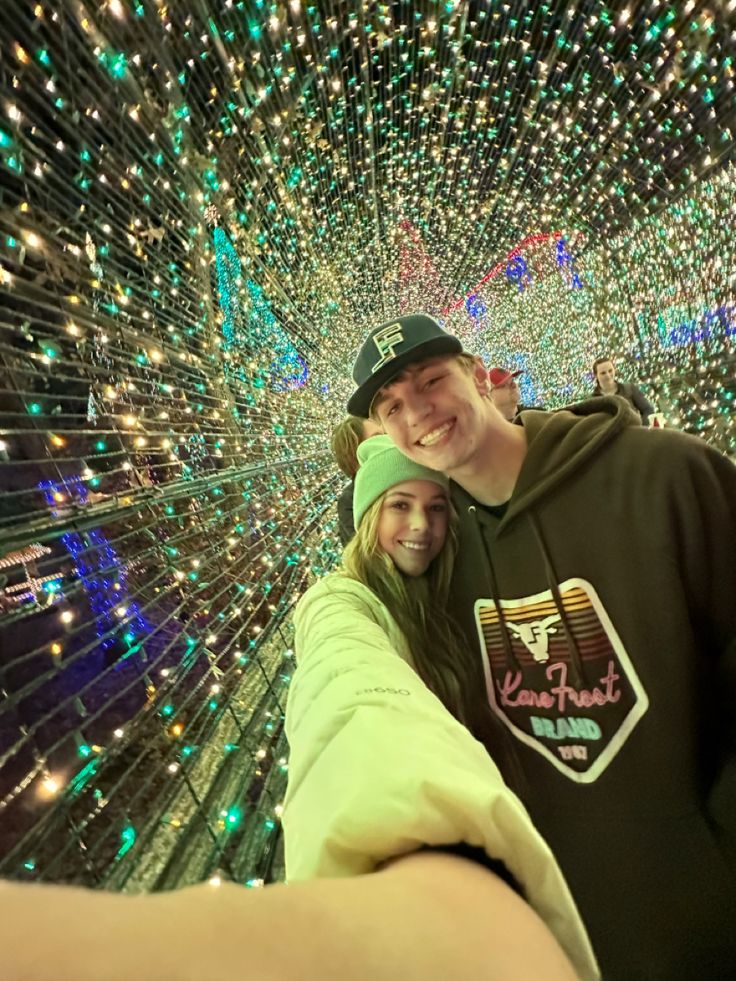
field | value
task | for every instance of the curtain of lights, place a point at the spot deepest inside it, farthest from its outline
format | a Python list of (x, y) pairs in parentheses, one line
[(203, 205)]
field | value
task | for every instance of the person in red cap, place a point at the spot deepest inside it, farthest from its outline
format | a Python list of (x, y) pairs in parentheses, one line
[(505, 392)]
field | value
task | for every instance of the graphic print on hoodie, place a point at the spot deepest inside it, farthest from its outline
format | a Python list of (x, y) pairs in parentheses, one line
[(559, 677)]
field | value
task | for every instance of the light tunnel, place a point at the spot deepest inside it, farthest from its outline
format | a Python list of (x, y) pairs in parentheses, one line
[(204, 207)]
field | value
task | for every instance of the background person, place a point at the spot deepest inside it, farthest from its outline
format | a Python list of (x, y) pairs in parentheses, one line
[(604, 373), (505, 393), (346, 438)]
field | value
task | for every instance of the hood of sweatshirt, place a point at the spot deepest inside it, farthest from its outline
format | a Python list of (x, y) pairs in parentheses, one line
[(558, 445)]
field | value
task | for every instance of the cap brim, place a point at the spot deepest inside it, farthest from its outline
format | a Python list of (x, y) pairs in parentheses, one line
[(360, 401)]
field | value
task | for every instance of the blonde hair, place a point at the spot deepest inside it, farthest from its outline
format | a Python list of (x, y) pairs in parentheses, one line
[(418, 605), (346, 438)]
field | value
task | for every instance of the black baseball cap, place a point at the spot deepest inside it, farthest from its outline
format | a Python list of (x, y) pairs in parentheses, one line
[(390, 348)]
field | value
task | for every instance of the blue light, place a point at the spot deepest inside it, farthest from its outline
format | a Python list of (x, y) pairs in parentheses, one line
[(97, 565), (517, 271), (566, 262), (475, 306), (709, 324)]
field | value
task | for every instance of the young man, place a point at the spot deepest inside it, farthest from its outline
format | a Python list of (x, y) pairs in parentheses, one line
[(596, 584), (604, 373)]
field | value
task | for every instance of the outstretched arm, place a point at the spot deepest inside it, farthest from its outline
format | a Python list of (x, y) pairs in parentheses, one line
[(380, 769), (425, 917)]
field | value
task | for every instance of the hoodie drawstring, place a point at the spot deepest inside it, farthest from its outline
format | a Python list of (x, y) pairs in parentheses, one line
[(490, 572), (578, 669), (576, 660)]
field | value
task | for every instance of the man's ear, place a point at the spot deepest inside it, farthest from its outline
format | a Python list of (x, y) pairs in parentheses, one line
[(480, 376)]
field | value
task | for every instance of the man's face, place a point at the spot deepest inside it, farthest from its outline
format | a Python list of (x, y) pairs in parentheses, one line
[(605, 375), (506, 398), (434, 412)]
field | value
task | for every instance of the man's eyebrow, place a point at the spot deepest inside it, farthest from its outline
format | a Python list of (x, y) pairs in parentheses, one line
[(429, 363), (415, 369), (378, 400), (384, 393)]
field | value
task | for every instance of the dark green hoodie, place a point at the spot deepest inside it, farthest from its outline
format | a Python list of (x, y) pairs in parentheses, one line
[(603, 607)]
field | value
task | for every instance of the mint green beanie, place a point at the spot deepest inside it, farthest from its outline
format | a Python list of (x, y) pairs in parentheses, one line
[(382, 466)]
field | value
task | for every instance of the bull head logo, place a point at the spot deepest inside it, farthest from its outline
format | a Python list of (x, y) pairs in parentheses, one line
[(535, 634)]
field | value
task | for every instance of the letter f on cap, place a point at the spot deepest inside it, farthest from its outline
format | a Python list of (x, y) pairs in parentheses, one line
[(386, 340)]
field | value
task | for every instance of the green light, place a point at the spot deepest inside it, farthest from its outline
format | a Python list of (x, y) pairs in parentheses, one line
[(100, 445), (84, 750), (233, 817), (5, 139), (30, 865), (127, 836), (167, 710), (35, 408), (115, 63)]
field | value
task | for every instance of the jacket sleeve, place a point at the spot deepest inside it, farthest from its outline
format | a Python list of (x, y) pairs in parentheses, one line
[(642, 403), (379, 768)]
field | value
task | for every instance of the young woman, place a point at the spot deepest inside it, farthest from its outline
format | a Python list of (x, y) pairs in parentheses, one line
[(379, 768), (382, 779)]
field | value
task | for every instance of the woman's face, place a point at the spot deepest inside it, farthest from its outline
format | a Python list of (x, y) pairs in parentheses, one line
[(413, 524)]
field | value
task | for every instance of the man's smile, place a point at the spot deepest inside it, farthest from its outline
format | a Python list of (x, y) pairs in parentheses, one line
[(432, 437)]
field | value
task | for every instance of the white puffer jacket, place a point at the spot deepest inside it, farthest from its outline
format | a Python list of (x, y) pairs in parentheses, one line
[(379, 767)]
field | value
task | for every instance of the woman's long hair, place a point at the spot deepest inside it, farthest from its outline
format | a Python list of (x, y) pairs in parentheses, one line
[(418, 605)]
